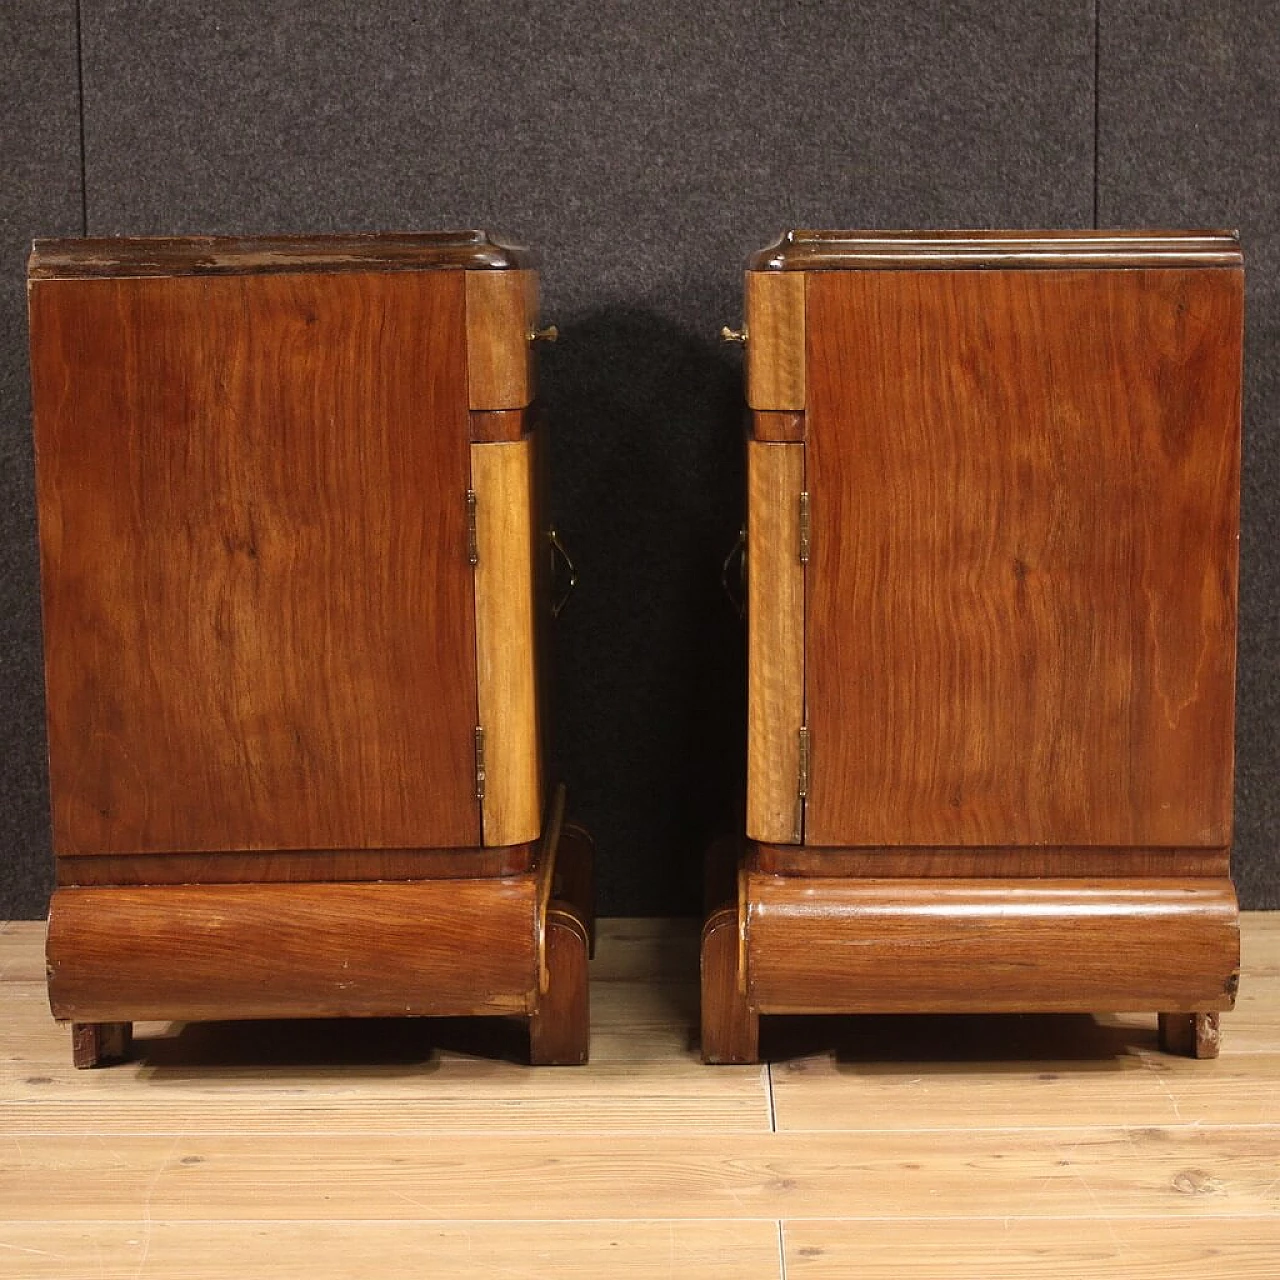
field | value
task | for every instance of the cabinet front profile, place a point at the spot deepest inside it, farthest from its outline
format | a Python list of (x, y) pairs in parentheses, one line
[(993, 519), (288, 527)]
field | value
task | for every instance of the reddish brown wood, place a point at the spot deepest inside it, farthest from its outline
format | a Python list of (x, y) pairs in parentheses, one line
[(903, 946), (777, 426), (730, 1025), (931, 250), (1193, 1035), (99, 1044), (199, 952), (1022, 588), (574, 881), (293, 865), (90, 257), (1012, 861), (560, 1022), (495, 426), (257, 598)]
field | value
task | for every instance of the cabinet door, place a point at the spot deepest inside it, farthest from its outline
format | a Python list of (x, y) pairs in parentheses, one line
[(1021, 595), (259, 627)]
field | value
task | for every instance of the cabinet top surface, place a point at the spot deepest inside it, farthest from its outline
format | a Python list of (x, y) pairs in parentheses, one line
[(807, 250), (117, 256)]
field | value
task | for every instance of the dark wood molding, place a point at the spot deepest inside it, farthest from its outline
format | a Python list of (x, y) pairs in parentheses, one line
[(91, 257), (804, 250)]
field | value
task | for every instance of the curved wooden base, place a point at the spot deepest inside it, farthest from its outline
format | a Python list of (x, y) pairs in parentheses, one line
[(454, 948), (805, 944)]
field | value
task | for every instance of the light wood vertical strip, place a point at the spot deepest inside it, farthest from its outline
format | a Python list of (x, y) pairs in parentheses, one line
[(502, 308), (775, 339), (775, 640), (506, 650)]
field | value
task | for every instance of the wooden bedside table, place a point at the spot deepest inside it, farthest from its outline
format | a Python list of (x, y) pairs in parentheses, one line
[(295, 578), (992, 524)]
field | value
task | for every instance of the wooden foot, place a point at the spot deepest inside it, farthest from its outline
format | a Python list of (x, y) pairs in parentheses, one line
[(560, 1024), (98, 1044), (730, 1028), (1193, 1035), (575, 876)]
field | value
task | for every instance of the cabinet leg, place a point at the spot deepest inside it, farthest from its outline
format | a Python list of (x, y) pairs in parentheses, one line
[(1193, 1035), (97, 1044), (575, 880), (560, 1024), (730, 1027)]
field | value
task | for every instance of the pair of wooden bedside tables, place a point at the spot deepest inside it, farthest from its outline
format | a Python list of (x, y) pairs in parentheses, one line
[(297, 581)]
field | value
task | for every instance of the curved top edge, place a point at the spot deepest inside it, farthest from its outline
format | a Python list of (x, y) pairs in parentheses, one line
[(808, 250), (115, 256)]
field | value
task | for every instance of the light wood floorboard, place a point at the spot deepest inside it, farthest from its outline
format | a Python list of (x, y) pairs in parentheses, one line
[(872, 1147)]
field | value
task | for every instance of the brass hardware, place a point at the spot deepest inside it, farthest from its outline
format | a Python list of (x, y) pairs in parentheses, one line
[(480, 774), (557, 548), (804, 528), (548, 334), (802, 782), (737, 552), (733, 335), (473, 541)]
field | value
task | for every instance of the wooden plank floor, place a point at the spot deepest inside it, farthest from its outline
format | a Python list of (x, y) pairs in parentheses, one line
[(998, 1148)]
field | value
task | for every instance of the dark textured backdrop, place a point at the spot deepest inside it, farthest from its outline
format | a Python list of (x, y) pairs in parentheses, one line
[(643, 149)]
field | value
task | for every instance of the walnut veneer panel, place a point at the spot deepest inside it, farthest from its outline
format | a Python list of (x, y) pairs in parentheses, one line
[(258, 602), (775, 641), (1022, 587), (503, 477)]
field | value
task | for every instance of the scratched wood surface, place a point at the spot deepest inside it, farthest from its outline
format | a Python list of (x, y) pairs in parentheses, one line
[(1022, 586), (920, 1146), (258, 614)]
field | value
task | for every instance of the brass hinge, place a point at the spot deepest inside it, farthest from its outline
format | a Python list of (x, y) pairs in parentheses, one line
[(473, 542), (480, 775), (804, 528), (802, 782)]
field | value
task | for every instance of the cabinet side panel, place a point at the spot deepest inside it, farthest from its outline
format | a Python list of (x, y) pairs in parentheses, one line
[(502, 309), (1022, 600), (775, 641), (502, 476), (775, 362), (258, 620)]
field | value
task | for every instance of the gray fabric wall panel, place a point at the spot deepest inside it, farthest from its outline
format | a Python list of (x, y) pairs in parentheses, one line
[(40, 193), (1188, 135), (643, 150)]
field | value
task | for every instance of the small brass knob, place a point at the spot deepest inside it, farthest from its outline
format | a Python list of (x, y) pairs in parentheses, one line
[(549, 334), (733, 335)]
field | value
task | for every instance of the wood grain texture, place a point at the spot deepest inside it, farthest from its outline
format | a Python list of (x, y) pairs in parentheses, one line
[(98, 1044), (1084, 1173), (506, 630), (785, 427), (88, 257), (1012, 861), (775, 320), (191, 953), (1022, 598), (730, 1027), (560, 1021), (502, 311), (497, 425), (901, 946), (812, 250), (775, 640), (461, 1250), (1024, 1246), (294, 865), (257, 601), (1195, 1035)]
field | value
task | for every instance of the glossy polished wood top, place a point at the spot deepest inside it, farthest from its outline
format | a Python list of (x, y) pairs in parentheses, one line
[(81, 258), (804, 250)]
